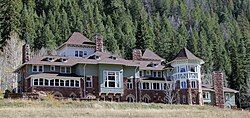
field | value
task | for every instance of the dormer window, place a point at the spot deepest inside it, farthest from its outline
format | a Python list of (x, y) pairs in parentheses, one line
[(50, 59), (113, 57), (64, 60), (37, 68), (52, 68), (80, 53), (97, 57), (76, 53), (85, 53)]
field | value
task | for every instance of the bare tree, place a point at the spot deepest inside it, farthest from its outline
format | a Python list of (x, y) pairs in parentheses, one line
[(12, 54), (170, 95)]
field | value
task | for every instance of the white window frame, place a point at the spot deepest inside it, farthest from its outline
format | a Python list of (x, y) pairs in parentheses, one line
[(153, 86), (182, 86), (159, 74), (148, 72), (117, 79), (227, 95), (80, 54), (37, 68), (52, 69), (76, 53), (89, 81), (145, 88), (65, 70), (195, 84), (85, 53), (207, 96)]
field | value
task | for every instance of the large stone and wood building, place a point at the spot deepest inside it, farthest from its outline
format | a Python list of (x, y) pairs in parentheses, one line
[(82, 69)]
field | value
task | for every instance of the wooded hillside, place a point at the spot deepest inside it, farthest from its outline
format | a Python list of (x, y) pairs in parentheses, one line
[(218, 31)]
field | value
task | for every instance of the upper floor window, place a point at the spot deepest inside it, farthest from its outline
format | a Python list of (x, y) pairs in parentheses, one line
[(192, 69), (37, 68), (89, 82), (52, 68), (112, 79), (85, 53), (141, 73), (76, 54), (130, 83), (155, 74), (183, 70), (65, 69), (183, 85), (80, 53), (159, 74), (148, 72), (193, 84)]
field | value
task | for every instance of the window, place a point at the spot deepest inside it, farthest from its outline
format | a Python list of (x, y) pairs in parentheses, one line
[(184, 99), (34, 68), (67, 83), (80, 53), (130, 99), (206, 96), (130, 83), (148, 72), (65, 69), (159, 73), (35, 82), (85, 52), (141, 73), (112, 79), (72, 83), (145, 85), (61, 82), (89, 82), (52, 68), (155, 74), (77, 83), (56, 82), (46, 82), (76, 53), (183, 85), (37, 68), (192, 69), (41, 82), (183, 70), (156, 86), (227, 96), (52, 82), (193, 84)]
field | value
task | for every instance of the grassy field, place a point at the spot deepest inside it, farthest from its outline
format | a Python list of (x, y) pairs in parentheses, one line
[(69, 109)]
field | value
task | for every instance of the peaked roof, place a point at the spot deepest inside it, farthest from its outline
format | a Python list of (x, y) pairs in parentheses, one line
[(150, 55), (186, 54), (77, 38)]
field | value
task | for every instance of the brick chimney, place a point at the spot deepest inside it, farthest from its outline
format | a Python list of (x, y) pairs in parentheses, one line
[(218, 88), (99, 43), (26, 53), (137, 54)]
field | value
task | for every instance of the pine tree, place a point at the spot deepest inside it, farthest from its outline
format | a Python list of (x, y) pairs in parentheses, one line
[(110, 41)]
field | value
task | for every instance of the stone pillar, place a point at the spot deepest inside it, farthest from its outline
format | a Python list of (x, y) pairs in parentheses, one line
[(218, 88), (81, 88), (26, 53), (178, 92), (99, 43), (189, 92), (137, 54)]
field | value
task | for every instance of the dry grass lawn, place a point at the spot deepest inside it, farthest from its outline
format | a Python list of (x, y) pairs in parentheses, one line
[(70, 109)]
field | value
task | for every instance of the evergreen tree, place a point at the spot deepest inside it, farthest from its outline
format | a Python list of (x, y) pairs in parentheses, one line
[(110, 42)]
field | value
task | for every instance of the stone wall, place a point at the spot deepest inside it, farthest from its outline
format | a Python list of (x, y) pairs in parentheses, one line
[(218, 88)]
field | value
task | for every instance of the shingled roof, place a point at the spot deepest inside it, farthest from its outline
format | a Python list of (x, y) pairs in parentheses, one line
[(77, 39), (185, 54), (150, 55)]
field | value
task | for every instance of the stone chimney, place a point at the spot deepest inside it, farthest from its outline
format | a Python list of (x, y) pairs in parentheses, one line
[(99, 43), (137, 54), (218, 88), (26, 53)]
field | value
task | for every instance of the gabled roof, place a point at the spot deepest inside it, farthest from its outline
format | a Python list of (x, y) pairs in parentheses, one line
[(77, 39), (185, 54), (144, 65), (150, 55)]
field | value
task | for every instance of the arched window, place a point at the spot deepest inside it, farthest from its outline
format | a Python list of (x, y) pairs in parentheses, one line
[(130, 98), (73, 95), (146, 99)]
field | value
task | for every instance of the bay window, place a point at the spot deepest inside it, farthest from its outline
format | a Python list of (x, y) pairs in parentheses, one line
[(112, 79)]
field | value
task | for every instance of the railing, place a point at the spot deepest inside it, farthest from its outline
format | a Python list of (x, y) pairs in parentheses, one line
[(185, 75)]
